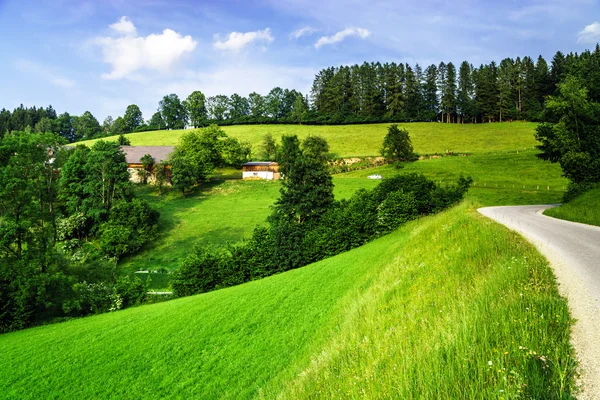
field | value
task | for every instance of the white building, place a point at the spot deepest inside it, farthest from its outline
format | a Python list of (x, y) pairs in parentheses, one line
[(261, 170)]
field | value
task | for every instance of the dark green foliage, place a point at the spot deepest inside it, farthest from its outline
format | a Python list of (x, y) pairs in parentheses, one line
[(123, 140), (131, 224), (147, 168), (173, 112), (572, 135), (307, 189), (161, 173), (92, 298), (132, 291), (133, 118), (294, 239), (195, 105), (62, 212), (397, 145), (396, 209), (201, 272), (86, 127), (234, 152)]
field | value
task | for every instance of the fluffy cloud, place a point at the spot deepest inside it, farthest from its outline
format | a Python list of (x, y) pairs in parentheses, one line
[(124, 26), (341, 35), (590, 34), (235, 41), (128, 53), (307, 30)]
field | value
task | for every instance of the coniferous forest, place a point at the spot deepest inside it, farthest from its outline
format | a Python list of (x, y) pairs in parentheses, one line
[(513, 89)]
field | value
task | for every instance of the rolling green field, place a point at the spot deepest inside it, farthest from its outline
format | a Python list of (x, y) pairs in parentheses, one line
[(227, 211), (366, 140), (584, 208), (449, 306), (213, 214)]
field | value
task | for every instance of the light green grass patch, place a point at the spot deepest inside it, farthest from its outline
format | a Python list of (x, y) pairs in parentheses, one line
[(419, 313), (501, 178), (366, 139), (584, 208), (213, 214)]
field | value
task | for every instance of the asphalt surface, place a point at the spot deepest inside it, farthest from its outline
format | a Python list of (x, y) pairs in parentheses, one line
[(573, 251)]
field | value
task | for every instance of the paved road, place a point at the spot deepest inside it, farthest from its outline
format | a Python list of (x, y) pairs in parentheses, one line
[(574, 253)]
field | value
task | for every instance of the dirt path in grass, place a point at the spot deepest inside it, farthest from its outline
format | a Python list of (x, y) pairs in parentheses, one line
[(573, 251)]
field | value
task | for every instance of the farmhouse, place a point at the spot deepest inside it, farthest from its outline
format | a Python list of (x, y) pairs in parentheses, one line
[(134, 154), (261, 170)]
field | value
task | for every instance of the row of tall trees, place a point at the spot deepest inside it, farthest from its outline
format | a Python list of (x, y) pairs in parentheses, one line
[(72, 128), (513, 89)]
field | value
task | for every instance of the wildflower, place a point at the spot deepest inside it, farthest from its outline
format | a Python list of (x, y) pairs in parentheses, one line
[(490, 363)]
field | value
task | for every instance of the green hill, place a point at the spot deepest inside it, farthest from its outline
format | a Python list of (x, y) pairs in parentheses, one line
[(585, 208), (366, 139), (449, 306)]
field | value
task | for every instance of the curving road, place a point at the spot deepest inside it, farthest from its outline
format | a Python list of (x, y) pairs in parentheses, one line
[(573, 250)]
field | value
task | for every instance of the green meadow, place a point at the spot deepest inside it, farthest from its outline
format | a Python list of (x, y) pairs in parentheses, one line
[(448, 306), (502, 163), (584, 208), (366, 139)]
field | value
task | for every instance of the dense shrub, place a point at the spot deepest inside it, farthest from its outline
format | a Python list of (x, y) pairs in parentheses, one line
[(130, 225), (343, 225), (132, 291), (200, 272)]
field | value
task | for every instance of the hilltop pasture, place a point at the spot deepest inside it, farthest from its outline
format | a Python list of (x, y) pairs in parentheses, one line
[(366, 139)]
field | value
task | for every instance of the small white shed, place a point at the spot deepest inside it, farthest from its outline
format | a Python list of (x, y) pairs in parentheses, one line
[(268, 170)]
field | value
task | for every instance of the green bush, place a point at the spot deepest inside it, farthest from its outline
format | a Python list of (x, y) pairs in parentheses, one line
[(132, 291), (201, 272)]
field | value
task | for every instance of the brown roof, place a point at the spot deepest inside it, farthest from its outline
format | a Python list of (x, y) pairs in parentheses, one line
[(133, 154)]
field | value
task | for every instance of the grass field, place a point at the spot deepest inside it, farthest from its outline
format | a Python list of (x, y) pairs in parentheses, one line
[(449, 306), (366, 140), (214, 214), (585, 209), (227, 211)]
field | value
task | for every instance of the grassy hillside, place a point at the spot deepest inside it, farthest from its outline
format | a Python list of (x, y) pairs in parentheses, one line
[(366, 140), (215, 214), (501, 178), (431, 310), (228, 211), (585, 209)]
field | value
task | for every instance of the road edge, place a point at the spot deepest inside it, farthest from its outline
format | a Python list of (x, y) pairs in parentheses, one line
[(585, 332)]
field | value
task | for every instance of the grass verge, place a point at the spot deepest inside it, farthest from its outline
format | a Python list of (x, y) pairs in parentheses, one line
[(585, 209), (450, 306)]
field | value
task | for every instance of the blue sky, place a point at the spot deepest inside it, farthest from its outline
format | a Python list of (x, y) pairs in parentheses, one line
[(104, 55)]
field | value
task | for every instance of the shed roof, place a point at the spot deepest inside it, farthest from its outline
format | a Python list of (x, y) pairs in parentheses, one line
[(133, 154), (259, 163)]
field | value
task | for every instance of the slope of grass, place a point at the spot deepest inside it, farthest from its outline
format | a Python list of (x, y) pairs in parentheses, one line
[(584, 208), (228, 211), (213, 214), (432, 310), (366, 139), (501, 178)]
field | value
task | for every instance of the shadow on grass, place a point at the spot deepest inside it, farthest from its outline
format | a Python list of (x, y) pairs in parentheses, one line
[(170, 204)]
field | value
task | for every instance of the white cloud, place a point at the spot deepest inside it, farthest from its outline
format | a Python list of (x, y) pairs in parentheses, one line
[(298, 33), (124, 26), (44, 73), (590, 34), (235, 41), (341, 35), (129, 53)]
